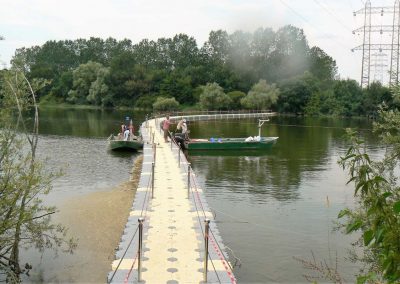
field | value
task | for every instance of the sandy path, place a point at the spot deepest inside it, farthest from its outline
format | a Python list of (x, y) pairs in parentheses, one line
[(97, 220)]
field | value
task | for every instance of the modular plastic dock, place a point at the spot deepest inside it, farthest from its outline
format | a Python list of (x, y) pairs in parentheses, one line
[(173, 212)]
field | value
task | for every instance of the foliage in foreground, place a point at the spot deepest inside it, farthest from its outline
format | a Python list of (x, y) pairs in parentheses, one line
[(25, 221), (377, 214)]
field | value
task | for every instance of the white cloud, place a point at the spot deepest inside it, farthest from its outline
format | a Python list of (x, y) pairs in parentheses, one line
[(31, 22)]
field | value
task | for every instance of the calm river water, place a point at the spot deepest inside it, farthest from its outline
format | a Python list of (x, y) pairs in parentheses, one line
[(270, 206)]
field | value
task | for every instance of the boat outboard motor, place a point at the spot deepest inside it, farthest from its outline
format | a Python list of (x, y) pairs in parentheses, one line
[(180, 139)]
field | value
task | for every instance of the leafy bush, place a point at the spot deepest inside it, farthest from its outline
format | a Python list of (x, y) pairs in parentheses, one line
[(377, 215), (214, 98), (165, 104), (145, 102), (261, 96), (236, 96)]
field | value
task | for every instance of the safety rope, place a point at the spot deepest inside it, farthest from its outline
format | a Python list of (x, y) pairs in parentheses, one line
[(130, 270), (214, 242), (123, 256), (145, 203), (215, 270), (222, 258), (219, 247)]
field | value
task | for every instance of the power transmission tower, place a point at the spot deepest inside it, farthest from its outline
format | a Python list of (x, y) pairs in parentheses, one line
[(379, 65), (394, 64), (368, 29)]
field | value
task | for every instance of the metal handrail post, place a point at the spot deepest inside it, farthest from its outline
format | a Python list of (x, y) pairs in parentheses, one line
[(154, 133), (154, 152), (140, 248), (206, 231), (179, 156), (152, 180), (188, 183)]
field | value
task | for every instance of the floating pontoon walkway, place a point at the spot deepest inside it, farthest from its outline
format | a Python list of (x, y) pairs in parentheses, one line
[(174, 212)]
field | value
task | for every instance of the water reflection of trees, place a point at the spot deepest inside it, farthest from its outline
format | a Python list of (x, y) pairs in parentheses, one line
[(304, 145), (84, 122)]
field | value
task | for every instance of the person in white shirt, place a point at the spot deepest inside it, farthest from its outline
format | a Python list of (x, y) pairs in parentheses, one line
[(184, 126), (126, 134)]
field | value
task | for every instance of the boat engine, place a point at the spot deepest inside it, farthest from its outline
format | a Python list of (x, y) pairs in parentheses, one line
[(181, 139)]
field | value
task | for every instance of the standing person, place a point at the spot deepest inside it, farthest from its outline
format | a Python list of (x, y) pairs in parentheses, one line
[(166, 125), (184, 126), (126, 134), (131, 128)]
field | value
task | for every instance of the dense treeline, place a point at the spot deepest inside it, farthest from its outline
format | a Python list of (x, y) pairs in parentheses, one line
[(263, 69)]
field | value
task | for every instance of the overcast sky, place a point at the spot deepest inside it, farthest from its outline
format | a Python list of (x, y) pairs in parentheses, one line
[(327, 23)]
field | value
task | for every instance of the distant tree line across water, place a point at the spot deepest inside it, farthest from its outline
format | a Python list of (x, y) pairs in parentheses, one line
[(265, 69)]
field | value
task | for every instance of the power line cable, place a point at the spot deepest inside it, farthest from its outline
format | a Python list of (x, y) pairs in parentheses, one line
[(311, 24), (351, 5), (347, 47), (332, 15)]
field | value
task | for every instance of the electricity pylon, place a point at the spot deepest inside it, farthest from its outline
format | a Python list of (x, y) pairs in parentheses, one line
[(368, 45), (379, 65)]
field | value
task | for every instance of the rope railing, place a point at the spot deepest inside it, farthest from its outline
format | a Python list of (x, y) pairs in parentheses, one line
[(130, 270), (146, 199), (212, 233), (207, 112), (210, 115), (144, 210), (123, 256), (193, 191), (215, 243), (196, 196)]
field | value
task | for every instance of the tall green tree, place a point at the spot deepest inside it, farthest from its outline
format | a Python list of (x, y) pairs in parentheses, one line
[(216, 49), (349, 95), (89, 84), (290, 55), (322, 66), (374, 96), (296, 92), (177, 66), (177, 86)]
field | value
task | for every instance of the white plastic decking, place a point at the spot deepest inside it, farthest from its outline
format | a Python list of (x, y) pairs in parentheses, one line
[(173, 239)]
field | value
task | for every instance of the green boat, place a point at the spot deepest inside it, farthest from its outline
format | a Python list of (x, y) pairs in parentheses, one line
[(249, 143), (231, 144), (117, 143)]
